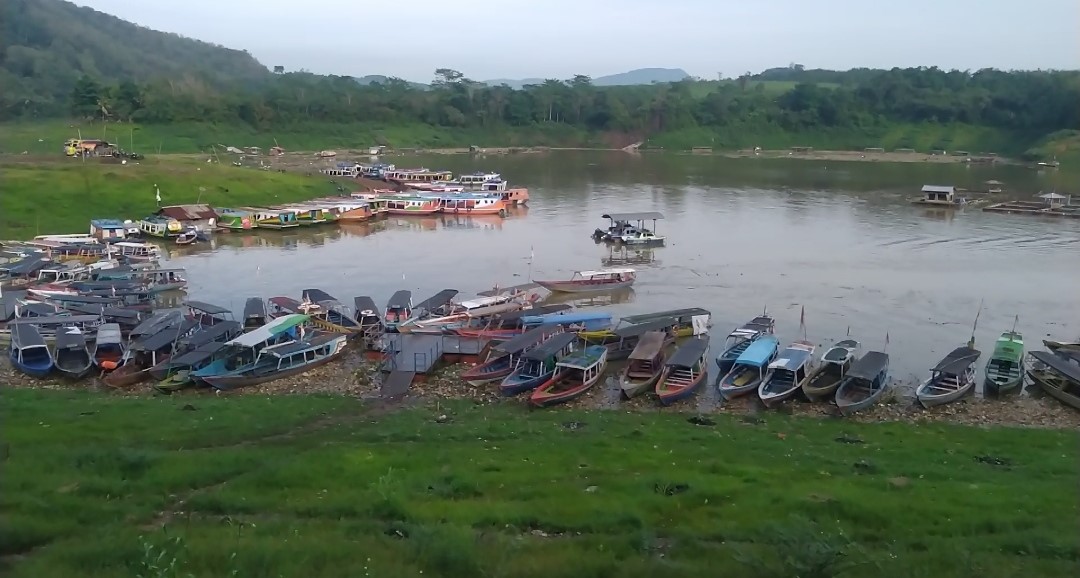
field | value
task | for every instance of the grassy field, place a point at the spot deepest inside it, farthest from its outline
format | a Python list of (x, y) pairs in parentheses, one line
[(62, 195), (199, 486)]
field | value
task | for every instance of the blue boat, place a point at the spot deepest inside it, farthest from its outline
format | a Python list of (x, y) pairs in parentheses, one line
[(587, 321), (242, 351), (505, 357), (29, 353), (738, 340), (538, 365), (282, 360), (750, 367)]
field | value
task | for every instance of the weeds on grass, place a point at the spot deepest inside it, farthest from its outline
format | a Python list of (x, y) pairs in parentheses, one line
[(800, 547), (163, 560)]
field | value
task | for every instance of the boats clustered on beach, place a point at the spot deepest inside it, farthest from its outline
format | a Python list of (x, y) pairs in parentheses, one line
[(99, 317)]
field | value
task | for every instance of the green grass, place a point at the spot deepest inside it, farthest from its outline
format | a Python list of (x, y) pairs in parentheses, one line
[(501, 491), (62, 195)]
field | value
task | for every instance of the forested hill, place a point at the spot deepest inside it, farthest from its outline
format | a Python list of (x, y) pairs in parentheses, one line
[(46, 45)]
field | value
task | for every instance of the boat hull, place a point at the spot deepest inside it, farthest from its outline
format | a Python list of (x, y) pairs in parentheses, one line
[(634, 386), (669, 395), (515, 384), (572, 287), (545, 396), (230, 382), (41, 369), (127, 375), (74, 364), (493, 370), (1055, 386), (773, 399), (739, 381)]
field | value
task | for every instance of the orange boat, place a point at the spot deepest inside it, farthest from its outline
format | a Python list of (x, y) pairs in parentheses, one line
[(412, 206), (473, 205), (357, 215)]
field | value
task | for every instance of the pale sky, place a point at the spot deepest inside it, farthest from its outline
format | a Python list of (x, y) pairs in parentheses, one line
[(488, 39)]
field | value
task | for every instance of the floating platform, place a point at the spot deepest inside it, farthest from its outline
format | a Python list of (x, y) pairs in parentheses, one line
[(409, 356), (1035, 208)]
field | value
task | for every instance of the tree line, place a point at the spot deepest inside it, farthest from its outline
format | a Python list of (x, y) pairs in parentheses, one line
[(1033, 102)]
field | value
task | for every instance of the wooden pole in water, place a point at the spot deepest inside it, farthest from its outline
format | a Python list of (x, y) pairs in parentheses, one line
[(971, 342)]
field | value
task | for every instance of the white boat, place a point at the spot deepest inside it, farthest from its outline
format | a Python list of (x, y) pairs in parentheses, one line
[(787, 373), (950, 379), (137, 251), (638, 237), (589, 281)]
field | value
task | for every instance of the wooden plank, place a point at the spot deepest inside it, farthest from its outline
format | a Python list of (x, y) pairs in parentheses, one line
[(396, 384)]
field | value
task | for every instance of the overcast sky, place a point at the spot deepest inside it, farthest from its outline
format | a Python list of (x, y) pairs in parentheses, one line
[(488, 39)]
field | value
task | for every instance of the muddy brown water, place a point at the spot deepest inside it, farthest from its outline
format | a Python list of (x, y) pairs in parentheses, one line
[(841, 241)]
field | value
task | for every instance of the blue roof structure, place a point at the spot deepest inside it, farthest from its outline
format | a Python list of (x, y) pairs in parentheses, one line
[(760, 351), (107, 224)]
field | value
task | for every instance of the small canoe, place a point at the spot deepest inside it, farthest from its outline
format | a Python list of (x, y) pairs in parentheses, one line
[(72, 355), (128, 374), (864, 384), (1005, 369), (787, 374), (835, 364), (109, 348), (684, 372), (29, 352), (952, 378), (574, 375), (645, 366), (749, 368), (1056, 375)]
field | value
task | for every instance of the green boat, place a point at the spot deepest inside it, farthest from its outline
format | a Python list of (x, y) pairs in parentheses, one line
[(1005, 370), (235, 220)]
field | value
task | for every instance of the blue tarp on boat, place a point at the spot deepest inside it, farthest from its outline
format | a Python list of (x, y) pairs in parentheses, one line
[(760, 351), (565, 318)]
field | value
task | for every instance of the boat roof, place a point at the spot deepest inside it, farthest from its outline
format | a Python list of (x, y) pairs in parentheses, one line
[(691, 311), (649, 346), (317, 295), (286, 303), (437, 300), (483, 301), (365, 303), (264, 333), (496, 309), (120, 313), (535, 311), (294, 347), (602, 272), (1059, 364), (108, 223), (643, 328), (39, 309), (109, 333), (652, 215), (70, 336), (840, 350), (527, 339), (400, 300), (792, 358), (759, 352), (28, 265), (869, 365), (25, 336), (55, 320), (84, 298), (208, 308), (510, 289), (690, 353), (212, 333), (254, 307), (149, 325), (565, 318), (958, 360), (551, 346), (198, 354), (165, 337), (938, 189), (584, 358)]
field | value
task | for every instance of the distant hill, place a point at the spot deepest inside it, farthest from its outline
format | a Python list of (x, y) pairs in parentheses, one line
[(47, 45), (633, 77)]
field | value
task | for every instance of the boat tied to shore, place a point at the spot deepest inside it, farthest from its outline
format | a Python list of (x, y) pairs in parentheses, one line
[(590, 281), (864, 384), (685, 371), (835, 363)]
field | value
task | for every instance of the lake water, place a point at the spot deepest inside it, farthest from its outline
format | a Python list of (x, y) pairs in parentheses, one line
[(840, 240)]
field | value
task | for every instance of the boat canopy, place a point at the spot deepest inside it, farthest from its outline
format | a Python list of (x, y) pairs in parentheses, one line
[(197, 355), (254, 307), (214, 332), (639, 329), (165, 337), (1010, 344), (510, 289), (70, 338), (759, 352), (604, 272), (400, 300), (286, 303), (208, 308), (690, 353), (316, 295), (869, 366), (957, 361), (676, 313), (534, 312), (792, 359), (649, 216), (840, 351), (293, 347), (150, 324), (492, 310), (437, 300), (268, 331), (648, 346), (57, 320), (564, 318), (478, 302), (109, 333), (38, 309), (119, 313), (551, 347), (583, 359), (365, 305), (526, 340), (26, 337), (1059, 364)]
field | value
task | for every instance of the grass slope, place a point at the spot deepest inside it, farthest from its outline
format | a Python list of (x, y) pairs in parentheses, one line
[(499, 491), (62, 196)]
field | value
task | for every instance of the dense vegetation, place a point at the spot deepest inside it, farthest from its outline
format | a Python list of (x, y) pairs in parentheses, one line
[(313, 486)]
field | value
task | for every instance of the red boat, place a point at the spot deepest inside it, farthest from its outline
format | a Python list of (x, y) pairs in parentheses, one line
[(574, 375)]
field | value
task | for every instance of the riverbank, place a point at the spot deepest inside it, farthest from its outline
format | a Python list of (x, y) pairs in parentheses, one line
[(320, 485)]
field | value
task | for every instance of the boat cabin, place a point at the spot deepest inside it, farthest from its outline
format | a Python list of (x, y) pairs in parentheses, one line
[(399, 308), (478, 178), (234, 219), (472, 204), (207, 313), (160, 226), (274, 218), (137, 251), (792, 365), (627, 225), (541, 360), (690, 321), (940, 195), (201, 217), (108, 229), (417, 176), (625, 339), (604, 276), (63, 273)]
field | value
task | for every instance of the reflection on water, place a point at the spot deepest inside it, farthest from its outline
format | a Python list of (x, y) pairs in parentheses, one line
[(841, 240)]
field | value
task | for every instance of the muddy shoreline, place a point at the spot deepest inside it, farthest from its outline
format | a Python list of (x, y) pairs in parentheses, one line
[(357, 376)]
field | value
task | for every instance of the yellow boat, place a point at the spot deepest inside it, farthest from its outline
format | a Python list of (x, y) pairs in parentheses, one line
[(689, 322)]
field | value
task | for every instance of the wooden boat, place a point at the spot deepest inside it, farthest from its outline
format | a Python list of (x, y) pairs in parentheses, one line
[(538, 365), (834, 365), (255, 314), (72, 354), (740, 338), (414, 206), (590, 281), (235, 220), (328, 313), (208, 313), (787, 374), (187, 237), (1005, 368), (572, 321), (1057, 374), (472, 204), (216, 334), (282, 360), (646, 364), (244, 350), (750, 367), (574, 375), (28, 351), (688, 322), (441, 303), (625, 339), (864, 384), (1058, 346), (180, 367), (684, 372), (505, 357), (356, 214), (147, 352), (274, 218), (952, 378), (109, 348), (398, 309)]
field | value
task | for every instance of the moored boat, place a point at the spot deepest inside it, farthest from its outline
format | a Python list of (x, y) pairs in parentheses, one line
[(740, 338), (689, 322), (282, 360), (538, 365), (242, 351), (864, 384), (412, 206), (750, 367), (646, 363), (28, 351), (109, 348), (835, 363), (398, 309), (574, 375), (1057, 374), (472, 204), (255, 314), (591, 281), (787, 374), (586, 320), (624, 340), (177, 372), (72, 355), (1005, 368), (505, 357), (952, 378), (684, 372)]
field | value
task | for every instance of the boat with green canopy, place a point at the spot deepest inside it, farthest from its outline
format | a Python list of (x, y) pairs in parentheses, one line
[(1005, 369)]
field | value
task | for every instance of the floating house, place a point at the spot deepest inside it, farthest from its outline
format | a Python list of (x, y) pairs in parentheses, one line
[(202, 217), (108, 229), (940, 196)]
